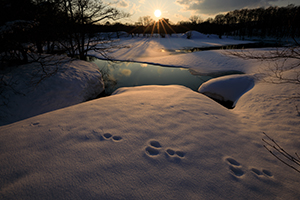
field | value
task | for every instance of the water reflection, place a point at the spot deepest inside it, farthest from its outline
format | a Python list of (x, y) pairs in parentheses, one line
[(125, 72), (128, 74)]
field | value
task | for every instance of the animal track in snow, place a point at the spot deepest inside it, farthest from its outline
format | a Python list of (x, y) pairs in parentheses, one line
[(264, 172), (171, 153), (35, 123), (235, 167), (233, 162), (108, 136), (155, 144), (152, 151), (154, 147), (116, 138), (256, 171), (237, 170), (268, 173)]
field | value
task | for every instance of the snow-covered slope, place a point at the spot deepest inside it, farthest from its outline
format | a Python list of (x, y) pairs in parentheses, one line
[(162, 142), (73, 83), (157, 142)]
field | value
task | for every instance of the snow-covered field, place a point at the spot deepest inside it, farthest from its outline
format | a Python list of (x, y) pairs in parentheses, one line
[(159, 142)]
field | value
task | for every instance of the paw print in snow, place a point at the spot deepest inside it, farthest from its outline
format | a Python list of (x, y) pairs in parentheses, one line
[(154, 148), (235, 167), (108, 136), (262, 173)]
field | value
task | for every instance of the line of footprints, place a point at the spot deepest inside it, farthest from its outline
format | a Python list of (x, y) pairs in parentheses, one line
[(236, 169), (154, 148)]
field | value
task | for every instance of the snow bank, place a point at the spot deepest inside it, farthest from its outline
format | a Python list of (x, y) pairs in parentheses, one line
[(155, 51), (197, 35), (73, 83), (194, 35), (154, 142), (150, 142), (227, 88)]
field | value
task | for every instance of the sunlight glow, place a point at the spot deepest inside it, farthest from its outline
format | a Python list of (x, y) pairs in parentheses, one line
[(157, 13)]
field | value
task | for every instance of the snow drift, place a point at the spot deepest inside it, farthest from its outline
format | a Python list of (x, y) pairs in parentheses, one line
[(154, 142), (227, 89), (194, 35), (73, 83), (161, 142)]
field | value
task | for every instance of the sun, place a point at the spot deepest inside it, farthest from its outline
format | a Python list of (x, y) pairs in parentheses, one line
[(157, 13)]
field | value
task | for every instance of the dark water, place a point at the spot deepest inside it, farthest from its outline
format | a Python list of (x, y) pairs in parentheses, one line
[(128, 74)]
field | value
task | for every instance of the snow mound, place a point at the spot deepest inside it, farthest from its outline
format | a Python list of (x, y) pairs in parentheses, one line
[(227, 89), (71, 83), (213, 36), (194, 35), (149, 142)]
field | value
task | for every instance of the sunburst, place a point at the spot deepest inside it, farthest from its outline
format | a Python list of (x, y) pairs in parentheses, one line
[(157, 13)]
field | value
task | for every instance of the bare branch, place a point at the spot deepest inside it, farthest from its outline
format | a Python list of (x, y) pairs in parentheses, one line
[(278, 58), (289, 158)]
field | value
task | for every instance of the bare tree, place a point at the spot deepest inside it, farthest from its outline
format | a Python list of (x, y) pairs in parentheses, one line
[(195, 19), (146, 20), (14, 37), (83, 15)]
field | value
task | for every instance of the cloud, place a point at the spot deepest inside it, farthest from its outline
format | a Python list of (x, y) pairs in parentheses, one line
[(123, 4), (142, 1), (135, 8), (181, 17), (217, 6)]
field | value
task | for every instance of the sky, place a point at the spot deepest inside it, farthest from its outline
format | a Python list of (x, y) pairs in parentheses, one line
[(181, 10)]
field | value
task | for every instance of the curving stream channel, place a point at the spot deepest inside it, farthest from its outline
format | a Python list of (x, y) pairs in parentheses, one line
[(118, 74), (128, 74)]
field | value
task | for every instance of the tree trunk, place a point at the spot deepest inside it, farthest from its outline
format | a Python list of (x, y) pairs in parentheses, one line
[(82, 56)]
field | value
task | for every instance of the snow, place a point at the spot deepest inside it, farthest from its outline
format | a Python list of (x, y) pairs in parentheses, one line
[(155, 50), (227, 88), (197, 35), (158, 142), (72, 84), (194, 35)]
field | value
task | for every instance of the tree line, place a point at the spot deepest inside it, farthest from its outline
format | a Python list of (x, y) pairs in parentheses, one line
[(277, 22), (52, 26), (73, 27)]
